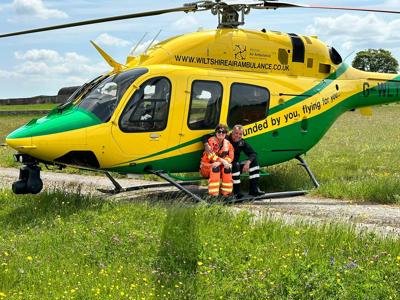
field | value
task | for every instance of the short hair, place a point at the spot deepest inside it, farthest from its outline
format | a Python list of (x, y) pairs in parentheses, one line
[(238, 126), (221, 126)]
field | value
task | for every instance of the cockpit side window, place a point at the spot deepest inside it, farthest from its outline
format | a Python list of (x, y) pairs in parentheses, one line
[(103, 97), (148, 108)]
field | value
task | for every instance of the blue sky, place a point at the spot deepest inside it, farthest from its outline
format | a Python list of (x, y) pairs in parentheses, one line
[(42, 63)]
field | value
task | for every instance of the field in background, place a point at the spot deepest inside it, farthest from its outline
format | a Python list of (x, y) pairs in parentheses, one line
[(57, 245), (45, 106), (357, 159)]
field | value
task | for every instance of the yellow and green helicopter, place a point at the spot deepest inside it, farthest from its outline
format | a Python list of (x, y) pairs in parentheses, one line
[(149, 114)]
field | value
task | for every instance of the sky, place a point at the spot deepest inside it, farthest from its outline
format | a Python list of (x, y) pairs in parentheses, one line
[(42, 63)]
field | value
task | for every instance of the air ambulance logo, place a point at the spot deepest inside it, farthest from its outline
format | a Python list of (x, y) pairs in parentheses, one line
[(240, 52)]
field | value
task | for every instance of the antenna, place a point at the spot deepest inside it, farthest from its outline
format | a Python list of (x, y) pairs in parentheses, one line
[(137, 45), (349, 55), (153, 41)]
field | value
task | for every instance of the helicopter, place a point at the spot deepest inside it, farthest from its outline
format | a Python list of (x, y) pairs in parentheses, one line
[(149, 114)]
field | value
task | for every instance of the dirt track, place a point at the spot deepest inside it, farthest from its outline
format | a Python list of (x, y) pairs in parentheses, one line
[(383, 219)]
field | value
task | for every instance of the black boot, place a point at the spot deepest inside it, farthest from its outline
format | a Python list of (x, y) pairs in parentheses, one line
[(236, 191), (254, 190)]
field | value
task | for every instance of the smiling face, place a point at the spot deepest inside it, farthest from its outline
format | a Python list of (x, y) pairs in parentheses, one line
[(220, 134), (237, 134)]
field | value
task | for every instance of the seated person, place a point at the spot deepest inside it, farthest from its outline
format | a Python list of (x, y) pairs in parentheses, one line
[(216, 164), (250, 165)]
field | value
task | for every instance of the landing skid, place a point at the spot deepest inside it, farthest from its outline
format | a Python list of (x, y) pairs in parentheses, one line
[(276, 195), (119, 189), (230, 200)]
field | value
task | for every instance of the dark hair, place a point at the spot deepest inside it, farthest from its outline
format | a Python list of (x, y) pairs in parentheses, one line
[(221, 127)]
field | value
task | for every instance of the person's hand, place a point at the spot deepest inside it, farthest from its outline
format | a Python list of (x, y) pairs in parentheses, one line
[(246, 167), (215, 164), (207, 148), (226, 164)]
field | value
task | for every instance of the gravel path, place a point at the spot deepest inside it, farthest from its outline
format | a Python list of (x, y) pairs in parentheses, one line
[(382, 219)]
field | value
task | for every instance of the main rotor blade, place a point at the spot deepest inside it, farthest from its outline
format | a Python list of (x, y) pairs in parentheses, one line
[(275, 5), (353, 8), (186, 8)]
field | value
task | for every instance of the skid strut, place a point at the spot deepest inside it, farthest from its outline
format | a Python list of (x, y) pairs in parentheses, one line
[(305, 166)]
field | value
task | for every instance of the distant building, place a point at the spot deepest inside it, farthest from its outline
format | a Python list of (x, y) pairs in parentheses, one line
[(62, 96)]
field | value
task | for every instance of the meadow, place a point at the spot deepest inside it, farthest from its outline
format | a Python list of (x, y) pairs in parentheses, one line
[(357, 159), (44, 106), (58, 245)]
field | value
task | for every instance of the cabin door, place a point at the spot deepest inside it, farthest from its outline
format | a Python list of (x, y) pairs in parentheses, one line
[(141, 130), (203, 111)]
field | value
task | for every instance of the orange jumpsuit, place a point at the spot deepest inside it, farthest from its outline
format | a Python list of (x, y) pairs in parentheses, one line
[(215, 174)]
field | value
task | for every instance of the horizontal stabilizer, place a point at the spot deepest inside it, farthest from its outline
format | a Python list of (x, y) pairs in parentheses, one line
[(115, 65)]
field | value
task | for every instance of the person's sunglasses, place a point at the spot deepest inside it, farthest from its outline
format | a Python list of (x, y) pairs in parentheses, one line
[(221, 131)]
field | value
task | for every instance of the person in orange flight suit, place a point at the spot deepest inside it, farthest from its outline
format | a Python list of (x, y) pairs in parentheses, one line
[(217, 164)]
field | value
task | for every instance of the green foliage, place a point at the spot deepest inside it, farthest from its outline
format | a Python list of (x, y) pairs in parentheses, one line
[(61, 245), (373, 60)]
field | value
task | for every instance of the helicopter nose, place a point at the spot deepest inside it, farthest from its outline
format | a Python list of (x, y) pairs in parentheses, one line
[(43, 137)]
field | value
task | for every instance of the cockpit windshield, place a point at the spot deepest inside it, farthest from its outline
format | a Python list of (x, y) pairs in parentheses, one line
[(103, 97)]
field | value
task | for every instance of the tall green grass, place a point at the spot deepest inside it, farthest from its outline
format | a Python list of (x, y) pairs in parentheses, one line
[(357, 159), (59, 245)]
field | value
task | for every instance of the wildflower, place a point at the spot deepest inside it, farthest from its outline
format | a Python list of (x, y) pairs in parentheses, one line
[(398, 258), (29, 258), (3, 294), (297, 232), (6, 253), (199, 263), (332, 261), (351, 265)]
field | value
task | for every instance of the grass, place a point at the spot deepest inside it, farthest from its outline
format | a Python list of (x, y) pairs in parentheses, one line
[(7, 125), (60, 245), (45, 106), (357, 159)]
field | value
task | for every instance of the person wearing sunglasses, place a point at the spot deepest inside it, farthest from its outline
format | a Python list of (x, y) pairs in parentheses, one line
[(247, 166), (216, 164)]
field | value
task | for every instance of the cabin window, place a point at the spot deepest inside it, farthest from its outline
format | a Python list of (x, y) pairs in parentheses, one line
[(147, 110), (205, 104), (298, 48), (247, 104)]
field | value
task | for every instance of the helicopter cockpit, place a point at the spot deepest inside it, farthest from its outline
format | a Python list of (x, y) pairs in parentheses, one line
[(103, 97)]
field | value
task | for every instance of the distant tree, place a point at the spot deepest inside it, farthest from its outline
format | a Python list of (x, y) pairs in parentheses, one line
[(373, 60)]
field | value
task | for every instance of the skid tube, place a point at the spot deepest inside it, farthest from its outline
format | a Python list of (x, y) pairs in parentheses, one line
[(180, 185), (170, 182), (278, 195)]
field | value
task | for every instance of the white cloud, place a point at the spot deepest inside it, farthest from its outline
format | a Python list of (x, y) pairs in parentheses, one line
[(8, 74), (39, 55), (356, 32), (187, 22), (36, 8), (109, 40), (42, 63)]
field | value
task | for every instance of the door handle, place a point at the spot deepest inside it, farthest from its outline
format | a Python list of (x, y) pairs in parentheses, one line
[(154, 136)]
